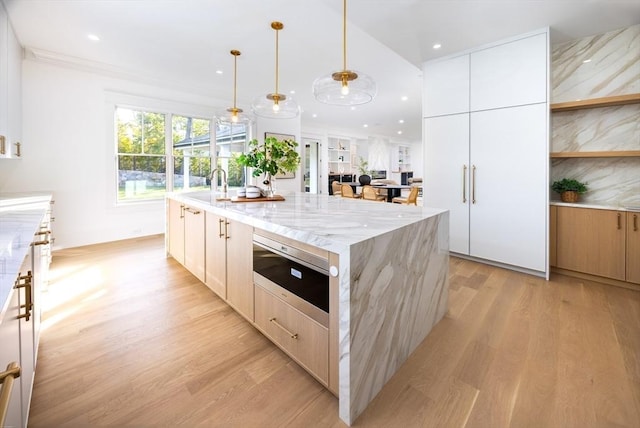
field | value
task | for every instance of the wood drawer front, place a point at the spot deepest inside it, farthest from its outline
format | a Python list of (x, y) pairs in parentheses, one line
[(310, 347)]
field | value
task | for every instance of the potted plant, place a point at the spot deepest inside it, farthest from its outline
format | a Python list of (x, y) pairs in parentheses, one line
[(365, 173), (569, 189), (270, 158)]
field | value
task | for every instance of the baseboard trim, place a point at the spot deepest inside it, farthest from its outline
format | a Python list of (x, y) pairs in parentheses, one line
[(595, 278)]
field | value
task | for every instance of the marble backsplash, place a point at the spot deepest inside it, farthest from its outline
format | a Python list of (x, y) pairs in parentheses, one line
[(597, 66), (613, 69)]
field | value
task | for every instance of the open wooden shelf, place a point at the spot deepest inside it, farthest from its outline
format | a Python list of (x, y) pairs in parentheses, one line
[(607, 154), (616, 100)]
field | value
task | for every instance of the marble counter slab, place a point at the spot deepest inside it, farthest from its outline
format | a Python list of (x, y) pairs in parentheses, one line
[(595, 206), (20, 218), (328, 222)]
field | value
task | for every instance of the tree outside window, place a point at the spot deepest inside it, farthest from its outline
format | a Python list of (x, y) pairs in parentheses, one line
[(191, 153)]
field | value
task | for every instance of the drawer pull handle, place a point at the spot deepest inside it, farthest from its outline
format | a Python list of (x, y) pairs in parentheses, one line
[(226, 229), (25, 281), (292, 335), (192, 211), (6, 380), (619, 223), (635, 222)]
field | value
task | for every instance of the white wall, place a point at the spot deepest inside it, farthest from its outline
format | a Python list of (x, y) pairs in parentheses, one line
[(68, 148)]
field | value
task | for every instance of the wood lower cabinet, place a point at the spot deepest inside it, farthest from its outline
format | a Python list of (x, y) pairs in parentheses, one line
[(229, 266), (553, 235), (302, 338), (186, 242), (591, 241), (633, 247)]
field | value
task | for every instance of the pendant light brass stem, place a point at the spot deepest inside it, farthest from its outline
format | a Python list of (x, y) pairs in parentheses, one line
[(344, 35), (235, 54)]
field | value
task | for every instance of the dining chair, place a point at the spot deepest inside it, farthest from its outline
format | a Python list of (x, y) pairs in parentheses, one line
[(336, 187), (412, 199), (371, 194), (347, 192)]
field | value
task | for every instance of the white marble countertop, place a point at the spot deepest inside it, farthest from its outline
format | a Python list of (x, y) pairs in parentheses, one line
[(20, 218), (595, 206), (329, 222)]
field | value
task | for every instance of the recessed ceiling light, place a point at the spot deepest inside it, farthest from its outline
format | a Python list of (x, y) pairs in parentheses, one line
[(314, 115), (219, 71), (586, 61), (292, 92), (401, 121), (365, 126), (93, 37), (404, 98), (437, 46), (399, 132), (353, 108)]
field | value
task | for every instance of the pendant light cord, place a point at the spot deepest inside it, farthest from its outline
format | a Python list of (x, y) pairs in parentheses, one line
[(235, 76)]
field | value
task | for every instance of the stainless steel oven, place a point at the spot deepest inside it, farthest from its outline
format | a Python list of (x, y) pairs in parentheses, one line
[(296, 276)]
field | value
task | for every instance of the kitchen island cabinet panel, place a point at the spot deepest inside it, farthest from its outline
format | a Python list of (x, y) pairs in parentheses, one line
[(9, 353), (194, 241), (239, 239), (591, 241), (216, 254), (633, 247), (175, 232)]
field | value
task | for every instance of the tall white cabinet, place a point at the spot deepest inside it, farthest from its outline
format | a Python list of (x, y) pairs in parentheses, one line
[(486, 150)]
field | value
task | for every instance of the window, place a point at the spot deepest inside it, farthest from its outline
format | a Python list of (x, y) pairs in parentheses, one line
[(191, 155), (163, 152), (141, 154)]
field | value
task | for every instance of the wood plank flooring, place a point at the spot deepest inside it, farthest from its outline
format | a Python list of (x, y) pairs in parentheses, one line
[(132, 339)]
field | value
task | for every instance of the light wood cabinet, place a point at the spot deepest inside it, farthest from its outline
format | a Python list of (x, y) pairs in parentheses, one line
[(633, 248), (187, 236), (302, 338), (229, 265), (591, 241), (553, 235), (10, 352)]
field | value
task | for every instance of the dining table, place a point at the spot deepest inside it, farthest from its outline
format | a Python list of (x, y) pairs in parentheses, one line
[(393, 190)]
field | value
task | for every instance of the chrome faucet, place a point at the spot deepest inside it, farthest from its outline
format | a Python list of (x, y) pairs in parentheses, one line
[(224, 179)]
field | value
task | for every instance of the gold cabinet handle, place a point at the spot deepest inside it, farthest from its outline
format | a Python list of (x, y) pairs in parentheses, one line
[(24, 281), (473, 184), (464, 184), (18, 152), (226, 229), (220, 232), (635, 222), (3, 149), (182, 207), (192, 211), (619, 221), (6, 380), (291, 335)]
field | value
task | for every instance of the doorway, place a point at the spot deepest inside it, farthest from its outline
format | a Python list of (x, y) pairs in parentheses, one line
[(311, 162)]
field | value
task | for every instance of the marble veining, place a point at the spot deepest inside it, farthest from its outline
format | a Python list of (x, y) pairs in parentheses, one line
[(398, 293), (611, 181), (598, 129), (613, 67)]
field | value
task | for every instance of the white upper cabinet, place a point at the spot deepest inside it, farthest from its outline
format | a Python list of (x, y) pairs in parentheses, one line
[(10, 89), (511, 74), (446, 86)]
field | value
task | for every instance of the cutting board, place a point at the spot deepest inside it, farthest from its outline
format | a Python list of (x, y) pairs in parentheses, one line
[(275, 198)]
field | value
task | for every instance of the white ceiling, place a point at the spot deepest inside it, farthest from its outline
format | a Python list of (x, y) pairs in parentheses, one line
[(181, 43)]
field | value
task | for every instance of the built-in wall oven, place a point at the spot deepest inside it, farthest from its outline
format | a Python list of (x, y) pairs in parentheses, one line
[(297, 276)]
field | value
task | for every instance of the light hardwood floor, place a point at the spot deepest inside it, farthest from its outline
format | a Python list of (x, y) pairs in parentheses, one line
[(132, 339)]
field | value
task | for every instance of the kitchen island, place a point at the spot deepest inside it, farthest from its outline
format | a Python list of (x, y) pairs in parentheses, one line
[(391, 275)]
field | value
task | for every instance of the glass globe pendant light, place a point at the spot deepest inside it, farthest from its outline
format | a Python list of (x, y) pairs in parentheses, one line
[(234, 114), (275, 105), (345, 87)]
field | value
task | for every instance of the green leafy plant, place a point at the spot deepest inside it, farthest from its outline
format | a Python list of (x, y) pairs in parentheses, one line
[(568, 185), (363, 167), (271, 157)]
